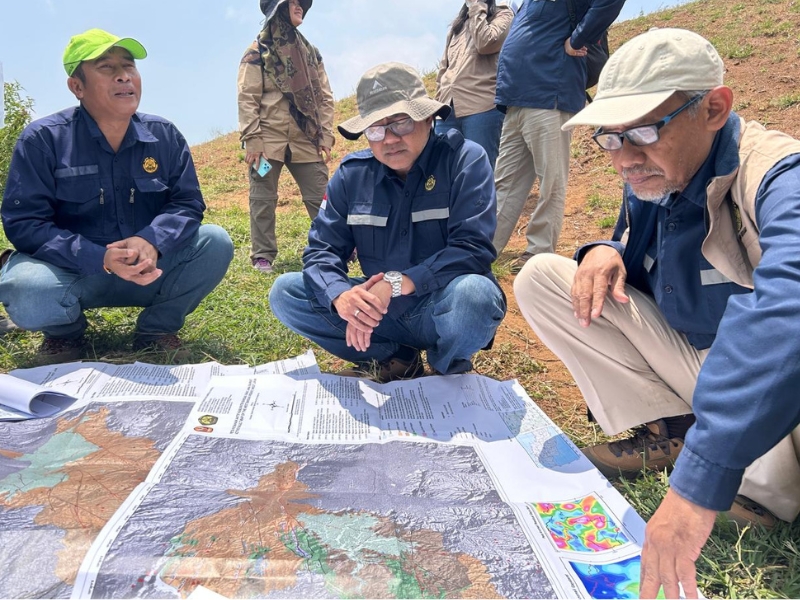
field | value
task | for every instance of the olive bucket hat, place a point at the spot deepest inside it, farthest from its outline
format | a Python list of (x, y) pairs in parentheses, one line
[(390, 89), (93, 43)]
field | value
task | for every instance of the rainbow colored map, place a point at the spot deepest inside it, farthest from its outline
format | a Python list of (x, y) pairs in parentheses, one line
[(580, 526)]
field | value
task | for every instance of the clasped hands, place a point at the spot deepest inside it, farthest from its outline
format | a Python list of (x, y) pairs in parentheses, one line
[(363, 306), (133, 259)]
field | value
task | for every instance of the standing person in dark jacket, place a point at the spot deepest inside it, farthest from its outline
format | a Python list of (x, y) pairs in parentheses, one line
[(104, 208), (468, 73), (541, 83), (420, 209), (692, 307)]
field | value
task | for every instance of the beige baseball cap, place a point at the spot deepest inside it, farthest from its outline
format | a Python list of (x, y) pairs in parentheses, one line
[(390, 89), (647, 70)]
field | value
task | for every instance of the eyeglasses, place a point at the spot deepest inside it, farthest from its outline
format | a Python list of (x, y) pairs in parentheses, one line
[(642, 135), (376, 133)]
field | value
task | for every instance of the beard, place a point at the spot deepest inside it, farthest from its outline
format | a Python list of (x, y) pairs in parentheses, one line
[(657, 195)]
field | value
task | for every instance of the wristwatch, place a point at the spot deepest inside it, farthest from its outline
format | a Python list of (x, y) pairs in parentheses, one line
[(395, 279)]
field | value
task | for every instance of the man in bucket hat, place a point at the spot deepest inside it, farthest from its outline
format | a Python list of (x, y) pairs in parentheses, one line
[(419, 209), (677, 315), (104, 208)]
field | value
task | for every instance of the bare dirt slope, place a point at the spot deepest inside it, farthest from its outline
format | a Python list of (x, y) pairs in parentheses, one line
[(760, 44)]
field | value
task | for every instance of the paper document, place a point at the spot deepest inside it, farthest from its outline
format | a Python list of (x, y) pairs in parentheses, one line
[(20, 399)]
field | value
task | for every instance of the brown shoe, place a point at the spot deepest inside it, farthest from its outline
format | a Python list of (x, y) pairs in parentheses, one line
[(648, 448), (7, 326), (745, 512), (55, 351), (392, 369), (519, 262), (169, 343)]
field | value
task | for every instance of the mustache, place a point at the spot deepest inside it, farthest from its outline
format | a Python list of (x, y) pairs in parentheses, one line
[(638, 171)]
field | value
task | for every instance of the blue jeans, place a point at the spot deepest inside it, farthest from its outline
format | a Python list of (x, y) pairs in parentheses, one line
[(41, 297), (450, 324), (483, 129)]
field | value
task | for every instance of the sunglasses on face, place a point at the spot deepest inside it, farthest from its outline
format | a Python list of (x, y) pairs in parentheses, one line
[(641, 135), (376, 133)]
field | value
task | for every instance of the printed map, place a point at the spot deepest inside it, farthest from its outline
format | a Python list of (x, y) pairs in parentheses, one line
[(281, 520), (62, 478), (581, 526)]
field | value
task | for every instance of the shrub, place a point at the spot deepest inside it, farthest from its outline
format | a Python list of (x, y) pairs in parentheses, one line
[(18, 114)]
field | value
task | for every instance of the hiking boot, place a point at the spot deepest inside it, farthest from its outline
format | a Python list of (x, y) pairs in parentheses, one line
[(59, 350), (168, 342), (650, 447), (745, 512), (392, 369), (7, 326), (262, 264), (519, 262)]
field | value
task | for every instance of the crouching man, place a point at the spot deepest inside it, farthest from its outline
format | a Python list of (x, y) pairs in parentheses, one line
[(419, 210), (103, 208)]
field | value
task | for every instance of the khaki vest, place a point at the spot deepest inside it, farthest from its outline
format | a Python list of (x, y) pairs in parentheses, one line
[(732, 243)]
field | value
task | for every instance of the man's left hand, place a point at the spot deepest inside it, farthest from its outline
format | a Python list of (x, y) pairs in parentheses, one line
[(673, 539), (572, 51)]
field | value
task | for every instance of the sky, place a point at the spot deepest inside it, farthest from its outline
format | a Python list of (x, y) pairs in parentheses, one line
[(194, 47)]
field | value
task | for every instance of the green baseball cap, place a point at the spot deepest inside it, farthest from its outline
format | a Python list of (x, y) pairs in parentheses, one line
[(93, 43)]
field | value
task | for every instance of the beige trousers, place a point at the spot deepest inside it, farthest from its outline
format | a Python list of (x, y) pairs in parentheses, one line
[(532, 146), (311, 178), (633, 367)]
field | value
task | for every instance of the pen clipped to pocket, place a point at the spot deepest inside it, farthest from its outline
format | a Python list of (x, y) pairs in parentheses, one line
[(262, 166)]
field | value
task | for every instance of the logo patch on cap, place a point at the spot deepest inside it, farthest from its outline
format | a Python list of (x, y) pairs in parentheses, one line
[(150, 165), (377, 87), (431, 183)]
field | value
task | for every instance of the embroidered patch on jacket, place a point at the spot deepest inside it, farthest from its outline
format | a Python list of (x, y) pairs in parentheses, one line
[(431, 183), (150, 165)]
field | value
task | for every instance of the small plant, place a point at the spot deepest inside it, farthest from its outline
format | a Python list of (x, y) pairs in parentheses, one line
[(786, 100)]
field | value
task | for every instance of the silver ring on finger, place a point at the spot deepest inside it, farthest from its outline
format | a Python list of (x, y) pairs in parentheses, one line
[(355, 314)]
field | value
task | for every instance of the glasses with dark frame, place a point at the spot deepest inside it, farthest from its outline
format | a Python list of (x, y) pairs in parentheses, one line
[(376, 133), (641, 135)]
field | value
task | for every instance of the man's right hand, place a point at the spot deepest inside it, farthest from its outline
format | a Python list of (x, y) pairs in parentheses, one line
[(126, 263), (362, 310), (601, 268)]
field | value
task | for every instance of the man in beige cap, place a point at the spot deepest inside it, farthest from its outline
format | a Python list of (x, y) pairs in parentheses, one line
[(419, 209), (691, 308), (104, 208)]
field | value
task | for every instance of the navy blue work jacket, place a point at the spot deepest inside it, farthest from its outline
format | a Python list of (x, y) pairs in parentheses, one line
[(436, 225), (745, 399), (69, 194), (533, 70)]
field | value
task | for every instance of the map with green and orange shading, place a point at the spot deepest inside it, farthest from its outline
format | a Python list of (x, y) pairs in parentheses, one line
[(62, 478), (256, 519)]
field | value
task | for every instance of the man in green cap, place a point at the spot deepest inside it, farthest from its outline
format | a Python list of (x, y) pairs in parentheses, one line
[(103, 207), (419, 208)]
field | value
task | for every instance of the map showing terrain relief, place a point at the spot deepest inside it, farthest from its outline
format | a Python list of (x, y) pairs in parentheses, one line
[(283, 520), (62, 478)]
